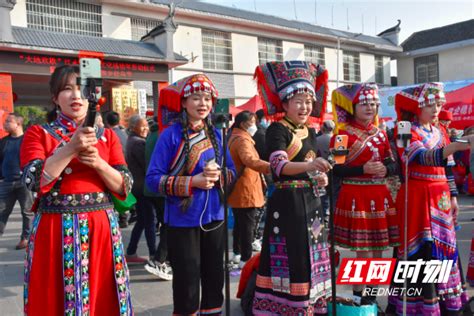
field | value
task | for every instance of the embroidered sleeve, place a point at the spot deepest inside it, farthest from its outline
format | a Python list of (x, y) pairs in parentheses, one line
[(159, 177), (127, 179), (451, 183), (175, 185), (277, 140), (31, 176), (33, 156), (431, 157), (278, 160)]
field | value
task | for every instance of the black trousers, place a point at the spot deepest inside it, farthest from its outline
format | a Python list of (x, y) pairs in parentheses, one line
[(161, 254), (197, 259), (244, 229)]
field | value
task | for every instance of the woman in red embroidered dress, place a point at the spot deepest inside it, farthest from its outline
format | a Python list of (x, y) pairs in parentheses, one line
[(365, 214), (432, 205), (75, 263)]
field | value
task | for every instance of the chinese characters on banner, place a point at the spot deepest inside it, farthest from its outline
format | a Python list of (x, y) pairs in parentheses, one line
[(114, 69), (142, 104), (125, 101), (6, 99)]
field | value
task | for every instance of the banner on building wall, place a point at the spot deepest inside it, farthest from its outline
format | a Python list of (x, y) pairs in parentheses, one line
[(6, 100), (142, 104)]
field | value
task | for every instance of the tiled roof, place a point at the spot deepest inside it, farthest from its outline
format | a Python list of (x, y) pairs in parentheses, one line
[(441, 35), (273, 20), (48, 39)]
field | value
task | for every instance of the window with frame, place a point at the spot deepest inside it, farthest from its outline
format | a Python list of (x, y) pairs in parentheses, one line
[(314, 54), (217, 50), (351, 65), (379, 76), (426, 69), (73, 17), (141, 27), (269, 50)]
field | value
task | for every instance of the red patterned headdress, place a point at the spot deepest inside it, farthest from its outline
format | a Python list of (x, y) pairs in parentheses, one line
[(280, 81), (169, 104), (346, 97), (413, 99)]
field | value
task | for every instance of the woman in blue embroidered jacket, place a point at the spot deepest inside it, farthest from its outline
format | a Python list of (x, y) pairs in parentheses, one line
[(186, 167), (75, 263), (294, 276)]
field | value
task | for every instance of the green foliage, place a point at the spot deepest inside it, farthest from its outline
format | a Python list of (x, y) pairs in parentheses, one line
[(32, 114)]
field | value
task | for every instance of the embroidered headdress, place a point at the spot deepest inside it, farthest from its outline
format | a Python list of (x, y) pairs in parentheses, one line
[(413, 99), (280, 81), (345, 98), (169, 104)]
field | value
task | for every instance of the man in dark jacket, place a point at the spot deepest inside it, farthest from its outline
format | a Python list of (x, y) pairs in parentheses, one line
[(159, 265), (146, 219), (11, 188), (113, 122)]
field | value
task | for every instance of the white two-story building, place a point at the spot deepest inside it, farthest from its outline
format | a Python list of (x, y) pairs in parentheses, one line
[(225, 43)]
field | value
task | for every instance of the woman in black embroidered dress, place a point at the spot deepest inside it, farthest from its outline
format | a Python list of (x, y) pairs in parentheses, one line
[(294, 276)]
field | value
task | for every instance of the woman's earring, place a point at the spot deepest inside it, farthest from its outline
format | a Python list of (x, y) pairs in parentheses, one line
[(58, 109)]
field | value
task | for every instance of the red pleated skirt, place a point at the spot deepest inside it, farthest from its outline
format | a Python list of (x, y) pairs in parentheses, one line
[(365, 218), (75, 264)]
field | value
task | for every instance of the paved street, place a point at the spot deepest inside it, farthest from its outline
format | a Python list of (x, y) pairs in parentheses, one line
[(150, 296)]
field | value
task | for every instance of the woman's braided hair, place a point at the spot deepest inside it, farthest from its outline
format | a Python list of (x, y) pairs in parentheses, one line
[(209, 130)]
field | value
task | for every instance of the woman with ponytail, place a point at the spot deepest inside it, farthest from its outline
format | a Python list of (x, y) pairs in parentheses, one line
[(186, 167)]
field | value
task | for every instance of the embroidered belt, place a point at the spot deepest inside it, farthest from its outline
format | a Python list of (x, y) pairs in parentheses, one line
[(365, 181), (293, 184), (75, 203)]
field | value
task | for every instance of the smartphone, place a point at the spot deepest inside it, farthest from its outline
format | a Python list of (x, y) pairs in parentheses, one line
[(221, 117), (340, 144), (403, 128), (89, 68)]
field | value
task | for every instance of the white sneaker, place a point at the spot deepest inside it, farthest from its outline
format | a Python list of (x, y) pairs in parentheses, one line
[(257, 245), (236, 259), (161, 270), (241, 264)]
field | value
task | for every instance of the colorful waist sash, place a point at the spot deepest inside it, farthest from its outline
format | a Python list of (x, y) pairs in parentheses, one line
[(75, 203), (359, 181), (293, 184)]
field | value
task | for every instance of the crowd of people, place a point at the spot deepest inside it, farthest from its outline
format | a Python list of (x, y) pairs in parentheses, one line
[(276, 166)]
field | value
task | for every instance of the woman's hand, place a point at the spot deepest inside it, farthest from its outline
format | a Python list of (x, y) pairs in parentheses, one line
[(322, 180), (91, 158), (319, 164), (455, 209), (203, 182), (83, 139), (375, 168), (212, 170)]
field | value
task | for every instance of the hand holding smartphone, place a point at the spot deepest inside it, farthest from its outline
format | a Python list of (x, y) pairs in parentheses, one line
[(90, 75), (403, 134), (340, 149)]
